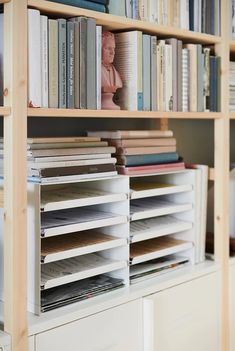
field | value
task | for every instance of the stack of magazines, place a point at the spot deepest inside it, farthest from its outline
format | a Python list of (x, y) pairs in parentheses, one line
[(79, 290)]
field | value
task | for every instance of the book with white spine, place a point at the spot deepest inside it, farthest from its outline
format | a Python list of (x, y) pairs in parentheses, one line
[(34, 59), (128, 62), (185, 80), (44, 60)]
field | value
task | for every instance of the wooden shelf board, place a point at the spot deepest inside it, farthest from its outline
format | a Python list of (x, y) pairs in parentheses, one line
[(211, 174), (112, 22), (56, 112), (232, 115), (4, 1), (4, 111)]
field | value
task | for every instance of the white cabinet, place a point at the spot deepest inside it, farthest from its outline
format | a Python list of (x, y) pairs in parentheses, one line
[(232, 307), (116, 329), (183, 318)]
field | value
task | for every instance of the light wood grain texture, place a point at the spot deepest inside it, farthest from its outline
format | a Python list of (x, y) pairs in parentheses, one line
[(4, 1), (221, 174), (15, 195), (232, 46), (52, 112), (232, 115), (211, 174), (112, 22), (5, 111)]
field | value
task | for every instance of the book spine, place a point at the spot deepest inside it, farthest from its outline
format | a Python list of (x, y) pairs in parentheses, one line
[(175, 82), (218, 85), (191, 15), (85, 4), (193, 73), (44, 60), (73, 170), (34, 59), (98, 66), (91, 64), (128, 8), (70, 65), (128, 62), (212, 84), (153, 74), (206, 80), (77, 63), (53, 63), (185, 80), (139, 70), (138, 160), (62, 62), (146, 72), (179, 75), (153, 11), (184, 14), (117, 8), (83, 62), (200, 71), (135, 9), (168, 78)]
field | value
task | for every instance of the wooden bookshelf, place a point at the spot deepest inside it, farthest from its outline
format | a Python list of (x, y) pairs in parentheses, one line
[(67, 113), (15, 189)]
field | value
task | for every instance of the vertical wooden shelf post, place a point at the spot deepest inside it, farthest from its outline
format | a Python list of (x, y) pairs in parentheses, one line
[(221, 187), (15, 186)]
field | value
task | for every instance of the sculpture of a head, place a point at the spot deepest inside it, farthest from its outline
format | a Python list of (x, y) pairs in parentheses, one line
[(108, 48)]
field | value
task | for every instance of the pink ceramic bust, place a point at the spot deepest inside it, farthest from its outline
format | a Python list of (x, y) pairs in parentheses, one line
[(110, 78)]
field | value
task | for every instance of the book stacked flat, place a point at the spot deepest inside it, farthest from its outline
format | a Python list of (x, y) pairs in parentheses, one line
[(94, 5), (142, 151), (69, 158)]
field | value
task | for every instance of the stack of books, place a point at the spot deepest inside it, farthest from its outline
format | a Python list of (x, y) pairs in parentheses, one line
[(68, 158), (142, 151)]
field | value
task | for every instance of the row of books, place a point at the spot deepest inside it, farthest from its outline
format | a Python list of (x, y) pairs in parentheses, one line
[(65, 69), (164, 74), (196, 15)]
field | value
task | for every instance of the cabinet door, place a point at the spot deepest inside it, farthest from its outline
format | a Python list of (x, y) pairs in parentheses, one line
[(116, 329), (232, 307), (183, 318)]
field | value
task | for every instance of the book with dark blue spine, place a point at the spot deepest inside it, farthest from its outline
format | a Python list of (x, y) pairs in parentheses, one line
[(85, 4), (149, 159)]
